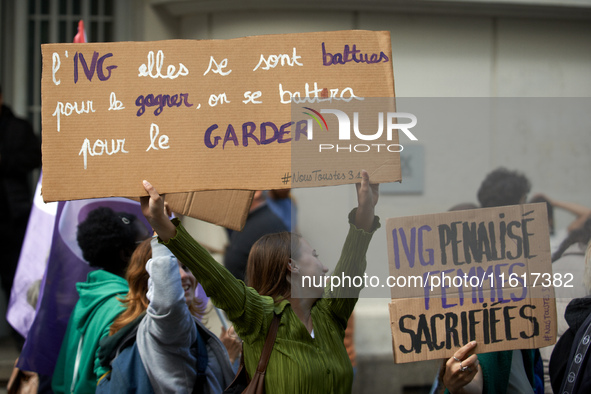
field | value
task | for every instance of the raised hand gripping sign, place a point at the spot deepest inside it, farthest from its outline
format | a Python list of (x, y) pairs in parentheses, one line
[(194, 115)]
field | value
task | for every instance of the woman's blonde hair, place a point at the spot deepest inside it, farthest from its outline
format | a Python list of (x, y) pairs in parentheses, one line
[(136, 301)]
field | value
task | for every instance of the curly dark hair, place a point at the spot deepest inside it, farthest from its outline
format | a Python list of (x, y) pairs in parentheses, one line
[(503, 187), (107, 238)]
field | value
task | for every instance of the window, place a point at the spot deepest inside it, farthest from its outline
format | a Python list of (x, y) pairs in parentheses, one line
[(51, 21)]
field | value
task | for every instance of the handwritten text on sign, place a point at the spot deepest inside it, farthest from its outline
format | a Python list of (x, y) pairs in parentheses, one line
[(480, 275), (172, 111)]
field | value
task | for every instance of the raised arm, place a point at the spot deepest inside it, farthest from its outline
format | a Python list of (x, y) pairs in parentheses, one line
[(367, 198), (153, 210), (165, 335), (352, 262), (245, 307), (165, 292), (581, 212)]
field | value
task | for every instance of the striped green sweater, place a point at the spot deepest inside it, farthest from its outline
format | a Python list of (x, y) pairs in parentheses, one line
[(299, 363)]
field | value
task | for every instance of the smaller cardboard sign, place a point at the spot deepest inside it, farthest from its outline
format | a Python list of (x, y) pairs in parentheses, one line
[(227, 208), (482, 275)]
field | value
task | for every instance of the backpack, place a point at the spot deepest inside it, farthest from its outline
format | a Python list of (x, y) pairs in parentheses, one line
[(127, 373)]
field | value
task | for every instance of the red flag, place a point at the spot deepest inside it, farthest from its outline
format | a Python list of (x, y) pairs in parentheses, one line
[(80, 38)]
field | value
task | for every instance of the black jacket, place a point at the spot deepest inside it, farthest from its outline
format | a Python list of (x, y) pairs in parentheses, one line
[(576, 313), (20, 152)]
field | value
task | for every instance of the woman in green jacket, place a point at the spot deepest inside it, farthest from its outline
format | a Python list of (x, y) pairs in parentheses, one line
[(309, 355)]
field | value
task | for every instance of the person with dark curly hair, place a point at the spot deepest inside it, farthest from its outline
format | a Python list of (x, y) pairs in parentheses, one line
[(503, 187), (107, 240)]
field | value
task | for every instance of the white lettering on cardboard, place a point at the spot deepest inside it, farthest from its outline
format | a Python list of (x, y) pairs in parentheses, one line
[(215, 99), (162, 141), (145, 71), (251, 97), (115, 104), (313, 95), (273, 61), (56, 66), (218, 67), (68, 108), (99, 147)]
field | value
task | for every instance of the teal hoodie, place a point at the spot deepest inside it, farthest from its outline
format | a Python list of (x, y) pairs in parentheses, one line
[(91, 319)]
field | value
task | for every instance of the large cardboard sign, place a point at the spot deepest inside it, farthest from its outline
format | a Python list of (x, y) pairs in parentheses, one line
[(194, 115), (481, 275)]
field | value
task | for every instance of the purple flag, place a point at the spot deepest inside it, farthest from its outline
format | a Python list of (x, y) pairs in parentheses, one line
[(58, 293), (51, 237), (31, 264)]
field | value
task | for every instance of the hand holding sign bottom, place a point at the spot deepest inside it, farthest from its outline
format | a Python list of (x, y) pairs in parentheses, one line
[(460, 371)]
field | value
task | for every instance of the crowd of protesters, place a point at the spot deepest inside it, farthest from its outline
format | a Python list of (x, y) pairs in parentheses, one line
[(137, 325)]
